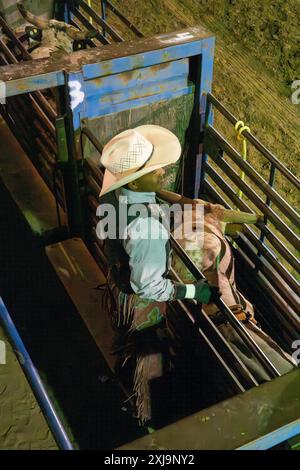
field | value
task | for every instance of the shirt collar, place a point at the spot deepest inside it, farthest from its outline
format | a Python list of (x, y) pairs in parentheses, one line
[(135, 197)]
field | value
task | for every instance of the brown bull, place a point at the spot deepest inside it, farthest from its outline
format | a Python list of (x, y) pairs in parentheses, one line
[(57, 36)]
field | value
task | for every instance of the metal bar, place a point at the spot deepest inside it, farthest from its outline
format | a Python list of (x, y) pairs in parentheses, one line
[(95, 170), (287, 277), (288, 304), (123, 18), (9, 32), (93, 185), (46, 138), (29, 118), (268, 200), (22, 126), (202, 322), (38, 95), (86, 131), (284, 290), (257, 144), (42, 116), (34, 380), (280, 247), (238, 326), (241, 204), (255, 177), (46, 171), (237, 385), (103, 14), (73, 22), (88, 25), (8, 54), (116, 36), (279, 224)]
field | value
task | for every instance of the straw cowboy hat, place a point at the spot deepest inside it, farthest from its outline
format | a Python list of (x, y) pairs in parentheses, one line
[(136, 152)]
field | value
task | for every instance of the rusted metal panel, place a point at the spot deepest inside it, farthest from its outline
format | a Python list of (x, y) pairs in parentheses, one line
[(257, 419)]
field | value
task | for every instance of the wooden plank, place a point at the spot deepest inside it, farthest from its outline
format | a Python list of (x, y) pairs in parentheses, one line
[(80, 275), (257, 419), (26, 186)]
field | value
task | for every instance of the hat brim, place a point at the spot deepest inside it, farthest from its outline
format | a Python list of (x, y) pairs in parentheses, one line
[(166, 150)]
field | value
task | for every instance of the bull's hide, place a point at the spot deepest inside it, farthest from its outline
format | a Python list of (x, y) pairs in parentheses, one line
[(212, 254)]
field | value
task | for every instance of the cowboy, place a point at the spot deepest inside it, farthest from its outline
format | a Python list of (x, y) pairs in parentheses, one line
[(134, 162), (57, 36)]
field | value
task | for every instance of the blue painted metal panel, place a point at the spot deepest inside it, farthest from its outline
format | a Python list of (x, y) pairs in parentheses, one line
[(137, 78), (127, 94), (145, 59), (144, 91), (95, 111), (37, 82), (135, 88)]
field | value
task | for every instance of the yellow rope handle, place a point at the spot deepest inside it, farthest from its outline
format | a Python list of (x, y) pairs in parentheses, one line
[(90, 4), (239, 129)]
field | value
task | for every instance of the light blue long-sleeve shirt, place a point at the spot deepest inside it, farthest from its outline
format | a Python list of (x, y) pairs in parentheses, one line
[(145, 242)]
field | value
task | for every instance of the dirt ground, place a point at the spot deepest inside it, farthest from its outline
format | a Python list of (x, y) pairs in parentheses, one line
[(257, 59), (23, 426)]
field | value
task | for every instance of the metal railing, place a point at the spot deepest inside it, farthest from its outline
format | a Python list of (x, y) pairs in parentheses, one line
[(31, 117), (34, 380), (272, 251), (90, 19)]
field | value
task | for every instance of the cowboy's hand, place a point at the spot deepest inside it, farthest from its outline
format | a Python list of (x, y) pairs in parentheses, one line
[(206, 293), (201, 291)]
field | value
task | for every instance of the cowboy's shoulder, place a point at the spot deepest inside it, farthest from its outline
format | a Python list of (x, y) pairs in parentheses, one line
[(147, 228)]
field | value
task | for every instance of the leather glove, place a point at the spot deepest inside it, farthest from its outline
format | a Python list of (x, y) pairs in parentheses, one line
[(201, 291)]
